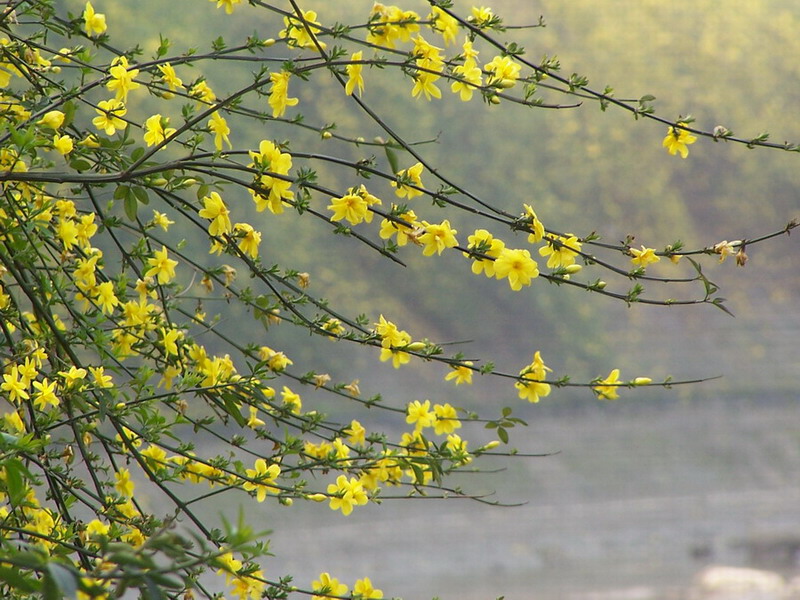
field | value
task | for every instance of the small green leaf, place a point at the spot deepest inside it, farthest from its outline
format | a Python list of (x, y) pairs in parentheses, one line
[(131, 206), (502, 434)]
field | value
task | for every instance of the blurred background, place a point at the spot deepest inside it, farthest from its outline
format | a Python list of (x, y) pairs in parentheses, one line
[(641, 494)]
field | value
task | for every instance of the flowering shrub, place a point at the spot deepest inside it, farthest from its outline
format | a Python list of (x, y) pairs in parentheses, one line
[(120, 171)]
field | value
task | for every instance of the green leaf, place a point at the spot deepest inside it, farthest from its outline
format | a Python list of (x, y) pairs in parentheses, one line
[(502, 434), (12, 577), (391, 156), (121, 192), (63, 578), (141, 195), (131, 207), (15, 483)]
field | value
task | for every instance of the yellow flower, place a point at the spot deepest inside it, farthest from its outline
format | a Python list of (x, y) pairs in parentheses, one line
[(353, 206), (161, 266), (438, 237), (169, 339), (517, 266), (345, 494), (215, 210), (354, 78), (122, 79), (446, 419), (561, 250), (169, 77), (444, 24), (276, 190), (263, 476), (536, 226), (161, 220), (677, 140), (202, 92), (461, 373), (329, 586), (14, 422), (484, 243), (645, 256), (279, 93), (227, 4), (53, 119), (155, 457), (105, 297), (356, 433), (481, 15), (249, 239), (470, 73), (253, 421), (297, 32), (424, 84), (503, 72), (110, 112), (405, 179), (363, 590), (533, 385), (404, 230), (13, 385), (419, 414), (63, 144), (124, 484), (155, 132), (45, 395), (220, 129), (607, 388), (291, 400), (93, 23), (73, 376)]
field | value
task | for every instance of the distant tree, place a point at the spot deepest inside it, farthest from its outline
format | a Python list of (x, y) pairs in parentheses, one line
[(121, 173)]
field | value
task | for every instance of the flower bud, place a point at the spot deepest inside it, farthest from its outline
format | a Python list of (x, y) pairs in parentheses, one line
[(572, 269), (268, 42), (416, 346), (642, 381), (491, 445), (326, 135), (601, 285), (317, 497)]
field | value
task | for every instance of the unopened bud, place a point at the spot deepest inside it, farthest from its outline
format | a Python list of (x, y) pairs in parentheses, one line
[(286, 501), (642, 381), (572, 269), (601, 285), (378, 140), (507, 83), (268, 42), (317, 497), (326, 135), (491, 445), (359, 139), (416, 346), (159, 181), (494, 99)]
